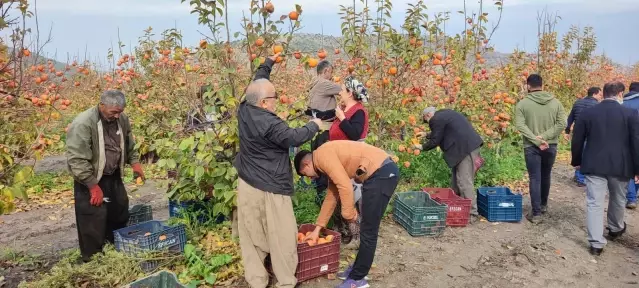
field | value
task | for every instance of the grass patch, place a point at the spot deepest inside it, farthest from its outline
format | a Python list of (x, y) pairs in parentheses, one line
[(42, 183)]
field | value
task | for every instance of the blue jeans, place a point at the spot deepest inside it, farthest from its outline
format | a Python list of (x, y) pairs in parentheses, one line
[(581, 179), (632, 192)]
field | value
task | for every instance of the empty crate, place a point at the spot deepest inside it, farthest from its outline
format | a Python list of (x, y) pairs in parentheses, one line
[(419, 214), (499, 204), (140, 213), (458, 208)]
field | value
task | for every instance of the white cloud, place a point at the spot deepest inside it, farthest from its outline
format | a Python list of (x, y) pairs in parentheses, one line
[(329, 7)]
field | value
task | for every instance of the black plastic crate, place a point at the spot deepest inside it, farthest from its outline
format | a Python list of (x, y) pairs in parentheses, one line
[(140, 213)]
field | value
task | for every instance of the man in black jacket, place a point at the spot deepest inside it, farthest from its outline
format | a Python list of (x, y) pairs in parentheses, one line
[(609, 161), (456, 137), (593, 98), (266, 222)]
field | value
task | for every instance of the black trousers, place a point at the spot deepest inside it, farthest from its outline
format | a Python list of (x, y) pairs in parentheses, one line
[(539, 165), (321, 183), (96, 224), (376, 193)]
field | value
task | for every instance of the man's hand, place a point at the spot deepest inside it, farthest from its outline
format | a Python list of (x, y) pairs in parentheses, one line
[(138, 171), (314, 236), (418, 146), (544, 146), (636, 179), (423, 134), (339, 113), (317, 121), (274, 57), (567, 137), (577, 167), (96, 195)]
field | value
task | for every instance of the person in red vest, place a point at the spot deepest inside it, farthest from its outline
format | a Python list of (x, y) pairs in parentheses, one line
[(351, 123), (352, 117)]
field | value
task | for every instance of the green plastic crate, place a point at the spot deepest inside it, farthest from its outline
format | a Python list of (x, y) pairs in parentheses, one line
[(161, 279), (419, 214)]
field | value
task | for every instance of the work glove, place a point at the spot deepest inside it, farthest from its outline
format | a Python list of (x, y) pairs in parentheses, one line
[(137, 171), (97, 196)]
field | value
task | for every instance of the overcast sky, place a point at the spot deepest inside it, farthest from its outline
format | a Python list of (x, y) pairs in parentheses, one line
[(92, 25)]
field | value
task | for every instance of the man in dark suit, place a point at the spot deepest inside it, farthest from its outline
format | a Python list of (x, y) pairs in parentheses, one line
[(609, 161), (594, 96), (456, 137)]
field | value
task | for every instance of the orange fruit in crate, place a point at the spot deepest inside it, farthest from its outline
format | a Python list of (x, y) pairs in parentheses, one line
[(311, 243), (329, 238), (300, 237), (162, 237), (147, 234), (307, 233), (322, 241)]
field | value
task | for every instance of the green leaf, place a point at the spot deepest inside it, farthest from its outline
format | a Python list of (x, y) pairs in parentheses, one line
[(199, 172), (210, 279), (171, 163), (21, 176), (162, 163)]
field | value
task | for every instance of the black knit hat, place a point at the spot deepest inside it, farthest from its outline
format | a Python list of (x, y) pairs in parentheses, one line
[(297, 161)]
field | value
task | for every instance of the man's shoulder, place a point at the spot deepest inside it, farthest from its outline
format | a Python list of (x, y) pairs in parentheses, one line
[(86, 117)]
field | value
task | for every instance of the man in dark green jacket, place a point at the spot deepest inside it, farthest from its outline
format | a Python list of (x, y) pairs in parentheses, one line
[(540, 118), (99, 143)]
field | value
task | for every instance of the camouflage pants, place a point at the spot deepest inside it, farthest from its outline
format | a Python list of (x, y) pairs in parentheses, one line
[(348, 231)]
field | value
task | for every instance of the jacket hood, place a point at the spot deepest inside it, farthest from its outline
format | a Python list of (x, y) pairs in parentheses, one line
[(631, 95), (540, 97)]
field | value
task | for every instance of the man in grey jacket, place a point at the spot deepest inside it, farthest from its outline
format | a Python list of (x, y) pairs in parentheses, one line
[(266, 222), (99, 143)]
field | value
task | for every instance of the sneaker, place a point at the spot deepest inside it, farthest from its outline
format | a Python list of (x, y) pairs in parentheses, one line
[(595, 251), (615, 235), (544, 209), (344, 274), (631, 205), (353, 245), (350, 283), (534, 219)]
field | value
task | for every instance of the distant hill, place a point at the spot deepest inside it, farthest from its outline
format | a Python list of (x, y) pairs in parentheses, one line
[(311, 43)]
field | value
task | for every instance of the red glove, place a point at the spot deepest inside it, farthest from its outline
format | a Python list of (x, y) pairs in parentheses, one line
[(137, 171), (96, 195)]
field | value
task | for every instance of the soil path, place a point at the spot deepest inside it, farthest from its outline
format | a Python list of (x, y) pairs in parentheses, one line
[(552, 254)]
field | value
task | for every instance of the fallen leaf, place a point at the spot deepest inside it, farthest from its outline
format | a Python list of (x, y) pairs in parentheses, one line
[(51, 217), (558, 252), (593, 261)]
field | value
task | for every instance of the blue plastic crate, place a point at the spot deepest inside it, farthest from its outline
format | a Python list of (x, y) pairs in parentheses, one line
[(150, 236), (177, 207), (499, 204)]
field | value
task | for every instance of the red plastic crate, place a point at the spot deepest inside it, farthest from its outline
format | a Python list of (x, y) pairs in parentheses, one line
[(458, 208), (320, 259)]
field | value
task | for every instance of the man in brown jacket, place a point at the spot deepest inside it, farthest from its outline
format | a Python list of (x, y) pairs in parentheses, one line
[(341, 161)]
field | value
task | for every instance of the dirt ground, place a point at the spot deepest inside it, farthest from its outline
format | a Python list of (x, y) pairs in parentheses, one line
[(552, 254)]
